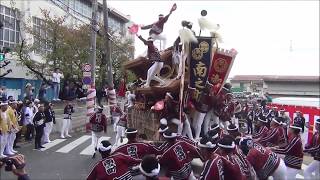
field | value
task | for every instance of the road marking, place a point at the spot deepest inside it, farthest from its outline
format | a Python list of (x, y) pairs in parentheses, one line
[(67, 148), (298, 176), (52, 143), (89, 150)]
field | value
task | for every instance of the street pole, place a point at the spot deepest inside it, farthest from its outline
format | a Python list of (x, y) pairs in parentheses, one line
[(93, 43), (107, 44), (91, 93)]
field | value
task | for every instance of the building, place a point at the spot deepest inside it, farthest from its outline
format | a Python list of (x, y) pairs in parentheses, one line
[(278, 86), (16, 15)]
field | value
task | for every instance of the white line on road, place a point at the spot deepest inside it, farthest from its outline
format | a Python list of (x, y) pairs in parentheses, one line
[(89, 150), (52, 143), (67, 148)]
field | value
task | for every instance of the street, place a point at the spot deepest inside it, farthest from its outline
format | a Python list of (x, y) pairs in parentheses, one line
[(61, 159)]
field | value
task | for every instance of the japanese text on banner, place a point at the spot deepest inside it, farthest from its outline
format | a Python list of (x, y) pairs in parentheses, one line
[(199, 64)]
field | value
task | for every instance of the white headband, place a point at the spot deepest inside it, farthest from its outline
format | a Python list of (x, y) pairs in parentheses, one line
[(163, 130), (227, 146), (168, 94), (296, 127), (274, 120), (241, 139), (173, 135), (207, 145), (104, 149), (163, 121), (262, 120), (132, 132), (215, 136), (317, 122), (232, 129), (244, 138), (154, 172), (13, 102), (214, 128)]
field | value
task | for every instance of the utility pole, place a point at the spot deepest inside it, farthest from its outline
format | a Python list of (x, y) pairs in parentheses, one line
[(91, 93), (107, 44), (93, 43)]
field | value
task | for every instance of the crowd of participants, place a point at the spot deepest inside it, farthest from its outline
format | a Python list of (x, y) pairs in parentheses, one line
[(269, 146)]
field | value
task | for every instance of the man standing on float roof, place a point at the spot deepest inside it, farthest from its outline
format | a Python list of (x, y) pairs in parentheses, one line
[(157, 28)]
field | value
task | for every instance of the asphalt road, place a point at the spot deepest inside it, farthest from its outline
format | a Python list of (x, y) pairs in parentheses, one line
[(52, 165)]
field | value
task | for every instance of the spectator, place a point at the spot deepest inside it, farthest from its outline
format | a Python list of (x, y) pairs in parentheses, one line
[(18, 167), (56, 78), (28, 115), (122, 90), (43, 93), (101, 93), (131, 97), (14, 127), (69, 92), (4, 127), (50, 120), (10, 98), (39, 122), (80, 92), (36, 104), (29, 92), (68, 110), (299, 120), (3, 93), (20, 114)]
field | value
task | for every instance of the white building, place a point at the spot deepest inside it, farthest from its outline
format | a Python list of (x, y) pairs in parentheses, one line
[(29, 13)]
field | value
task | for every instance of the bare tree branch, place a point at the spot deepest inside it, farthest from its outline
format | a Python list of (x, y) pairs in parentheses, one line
[(28, 65)]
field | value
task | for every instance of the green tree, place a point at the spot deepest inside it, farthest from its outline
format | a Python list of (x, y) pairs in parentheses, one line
[(68, 47)]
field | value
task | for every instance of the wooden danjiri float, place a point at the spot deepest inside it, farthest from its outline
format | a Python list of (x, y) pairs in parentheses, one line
[(202, 67), (141, 116)]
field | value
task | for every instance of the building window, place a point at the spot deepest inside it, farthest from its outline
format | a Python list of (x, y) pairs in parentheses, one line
[(115, 25), (81, 6), (42, 46), (10, 33)]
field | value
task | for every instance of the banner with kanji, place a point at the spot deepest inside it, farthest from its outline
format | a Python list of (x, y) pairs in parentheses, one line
[(222, 62), (200, 57)]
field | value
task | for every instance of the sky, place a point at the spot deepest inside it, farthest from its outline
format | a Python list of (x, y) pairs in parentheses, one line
[(261, 31)]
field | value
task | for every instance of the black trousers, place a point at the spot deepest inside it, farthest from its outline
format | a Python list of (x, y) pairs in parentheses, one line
[(249, 124), (30, 132), (39, 133), (18, 135), (286, 132)]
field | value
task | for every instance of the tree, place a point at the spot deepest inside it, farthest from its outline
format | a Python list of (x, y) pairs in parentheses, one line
[(67, 47)]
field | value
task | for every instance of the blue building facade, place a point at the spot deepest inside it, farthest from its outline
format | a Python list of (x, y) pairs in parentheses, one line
[(16, 87)]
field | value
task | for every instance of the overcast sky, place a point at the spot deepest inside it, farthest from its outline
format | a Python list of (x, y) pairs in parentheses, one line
[(261, 31)]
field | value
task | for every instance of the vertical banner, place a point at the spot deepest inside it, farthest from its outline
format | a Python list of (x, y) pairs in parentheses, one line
[(221, 65), (183, 57), (199, 65)]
